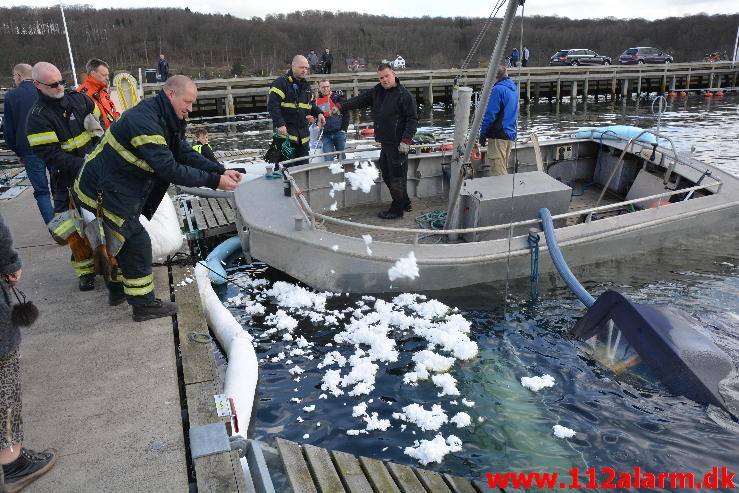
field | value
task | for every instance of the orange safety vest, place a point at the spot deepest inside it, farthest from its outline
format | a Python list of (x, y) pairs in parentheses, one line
[(325, 103), (98, 92)]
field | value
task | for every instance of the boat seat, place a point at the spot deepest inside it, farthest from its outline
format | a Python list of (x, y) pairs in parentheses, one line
[(644, 185)]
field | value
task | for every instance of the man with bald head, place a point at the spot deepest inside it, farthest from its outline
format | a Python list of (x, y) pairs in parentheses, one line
[(62, 128), (289, 102), (127, 175), (18, 104)]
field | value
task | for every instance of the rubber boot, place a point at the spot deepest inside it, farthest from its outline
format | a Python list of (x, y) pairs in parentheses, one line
[(155, 309), (397, 192)]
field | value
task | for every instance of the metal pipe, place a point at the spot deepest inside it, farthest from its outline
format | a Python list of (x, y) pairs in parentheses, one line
[(69, 46)]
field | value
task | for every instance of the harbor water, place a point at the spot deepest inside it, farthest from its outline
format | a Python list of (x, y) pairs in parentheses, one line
[(620, 420)]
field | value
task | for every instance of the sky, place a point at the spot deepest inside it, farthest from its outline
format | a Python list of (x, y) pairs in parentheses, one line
[(654, 9)]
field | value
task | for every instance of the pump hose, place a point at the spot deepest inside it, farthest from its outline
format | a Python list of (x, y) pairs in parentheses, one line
[(125, 85), (559, 262)]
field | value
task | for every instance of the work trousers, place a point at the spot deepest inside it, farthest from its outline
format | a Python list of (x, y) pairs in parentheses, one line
[(299, 150), (134, 261), (394, 169), (36, 172), (498, 155), (82, 261)]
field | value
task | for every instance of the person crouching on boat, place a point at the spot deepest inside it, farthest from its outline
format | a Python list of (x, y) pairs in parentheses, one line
[(396, 120), (499, 124), (129, 172)]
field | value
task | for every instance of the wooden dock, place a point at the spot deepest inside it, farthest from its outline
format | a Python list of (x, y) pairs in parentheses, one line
[(202, 217), (226, 97)]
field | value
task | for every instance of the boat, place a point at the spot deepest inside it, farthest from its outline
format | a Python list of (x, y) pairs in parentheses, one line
[(614, 192)]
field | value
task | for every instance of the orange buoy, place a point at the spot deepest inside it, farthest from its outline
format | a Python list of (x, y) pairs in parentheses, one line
[(367, 132), (707, 94), (683, 94), (654, 204), (672, 94), (719, 94), (476, 155), (446, 147)]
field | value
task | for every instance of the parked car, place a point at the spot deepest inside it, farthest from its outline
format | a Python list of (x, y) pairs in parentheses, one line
[(396, 64), (644, 54), (578, 56)]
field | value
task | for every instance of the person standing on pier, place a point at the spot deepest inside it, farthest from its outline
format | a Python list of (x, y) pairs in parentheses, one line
[(395, 119), (327, 59), (163, 68), (499, 124), (525, 57), (18, 104), (96, 87), (334, 132), (20, 466), (313, 62), (63, 127), (289, 102), (128, 174)]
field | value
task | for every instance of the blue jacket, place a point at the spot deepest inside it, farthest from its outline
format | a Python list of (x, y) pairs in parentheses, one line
[(18, 104), (138, 157), (501, 114)]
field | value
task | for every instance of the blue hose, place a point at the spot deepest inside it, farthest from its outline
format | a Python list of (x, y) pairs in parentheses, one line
[(559, 261), (214, 262)]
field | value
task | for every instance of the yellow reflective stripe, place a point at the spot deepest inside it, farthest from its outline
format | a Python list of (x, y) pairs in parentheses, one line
[(139, 281), (140, 140), (42, 138), (294, 138), (126, 154), (277, 91), (288, 105), (77, 142), (64, 227), (92, 203), (138, 291), (305, 106), (96, 111), (84, 267)]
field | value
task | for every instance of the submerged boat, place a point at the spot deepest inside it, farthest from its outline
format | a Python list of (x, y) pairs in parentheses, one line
[(613, 192)]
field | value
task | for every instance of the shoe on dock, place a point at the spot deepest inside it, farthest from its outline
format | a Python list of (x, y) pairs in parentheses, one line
[(155, 309), (87, 282)]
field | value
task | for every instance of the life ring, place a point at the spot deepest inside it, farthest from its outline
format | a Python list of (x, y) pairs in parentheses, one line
[(125, 86), (367, 132)]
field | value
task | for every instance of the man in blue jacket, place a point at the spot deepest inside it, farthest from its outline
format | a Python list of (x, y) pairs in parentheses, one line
[(499, 124), (18, 104), (128, 174)]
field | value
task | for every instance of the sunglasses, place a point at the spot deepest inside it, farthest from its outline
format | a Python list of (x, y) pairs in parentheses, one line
[(54, 85)]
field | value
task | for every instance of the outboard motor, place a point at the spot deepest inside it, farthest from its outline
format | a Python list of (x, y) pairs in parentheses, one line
[(665, 339)]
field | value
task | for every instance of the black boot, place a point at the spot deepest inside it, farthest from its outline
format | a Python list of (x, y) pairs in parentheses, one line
[(116, 296), (87, 282), (390, 214), (27, 468), (155, 309)]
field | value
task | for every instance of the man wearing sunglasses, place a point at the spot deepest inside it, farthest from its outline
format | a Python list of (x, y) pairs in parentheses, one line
[(62, 128)]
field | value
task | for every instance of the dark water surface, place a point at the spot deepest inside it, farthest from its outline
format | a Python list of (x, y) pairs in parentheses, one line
[(620, 422)]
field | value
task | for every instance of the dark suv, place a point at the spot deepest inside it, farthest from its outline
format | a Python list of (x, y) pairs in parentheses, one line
[(644, 54), (578, 57)]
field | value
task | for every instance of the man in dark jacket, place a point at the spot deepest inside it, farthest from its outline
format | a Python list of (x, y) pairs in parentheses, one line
[(62, 128), (127, 175), (327, 59), (289, 102), (395, 119), (163, 67), (19, 465), (499, 124), (18, 104)]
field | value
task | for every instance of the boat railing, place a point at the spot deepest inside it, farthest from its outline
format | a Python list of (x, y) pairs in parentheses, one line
[(315, 217)]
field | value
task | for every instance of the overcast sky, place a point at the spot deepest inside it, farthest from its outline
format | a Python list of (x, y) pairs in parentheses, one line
[(650, 9)]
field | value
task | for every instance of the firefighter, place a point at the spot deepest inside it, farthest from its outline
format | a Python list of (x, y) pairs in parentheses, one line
[(96, 87), (289, 102), (127, 175), (62, 128)]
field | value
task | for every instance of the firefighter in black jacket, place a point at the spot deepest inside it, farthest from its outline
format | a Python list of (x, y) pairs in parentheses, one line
[(63, 126), (129, 172), (395, 119), (289, 102)]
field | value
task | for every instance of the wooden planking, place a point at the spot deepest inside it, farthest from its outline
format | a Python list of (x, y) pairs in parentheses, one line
[(217, 212), (295, 466), (319, 461), (351, 472), (406, 478), (459, 485), (432, 481), (197, 358), (378, 475)]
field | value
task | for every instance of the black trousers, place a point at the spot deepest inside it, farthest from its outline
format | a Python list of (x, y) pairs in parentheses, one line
[(134, 261), (394, 169)]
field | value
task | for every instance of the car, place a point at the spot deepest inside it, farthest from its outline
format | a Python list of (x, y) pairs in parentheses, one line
[(398, 63), (644, 54), (578, 56)]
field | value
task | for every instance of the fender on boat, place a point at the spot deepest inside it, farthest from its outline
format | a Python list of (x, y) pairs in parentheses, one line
[(615, 132), (216, 258)]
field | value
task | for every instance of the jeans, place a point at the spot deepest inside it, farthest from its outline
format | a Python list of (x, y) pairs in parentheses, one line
[(334, 142), (36, 171)]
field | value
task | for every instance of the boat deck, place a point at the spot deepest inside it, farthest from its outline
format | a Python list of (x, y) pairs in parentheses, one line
[(428, 208)]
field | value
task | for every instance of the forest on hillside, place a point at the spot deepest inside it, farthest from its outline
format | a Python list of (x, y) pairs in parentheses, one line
[(206, 46)]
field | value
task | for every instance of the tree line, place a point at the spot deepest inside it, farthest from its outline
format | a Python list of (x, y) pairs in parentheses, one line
[(214, 45)]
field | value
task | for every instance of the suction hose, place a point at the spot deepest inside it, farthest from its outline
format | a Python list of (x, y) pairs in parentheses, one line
[(559, 261), (216, 271)]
